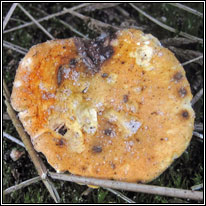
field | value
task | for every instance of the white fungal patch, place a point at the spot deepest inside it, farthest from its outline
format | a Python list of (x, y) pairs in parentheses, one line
[(98, 105), (132, 126), (143, 55), (26, 62), (17, 83), (147, 42), (114, 42), (75, 76)]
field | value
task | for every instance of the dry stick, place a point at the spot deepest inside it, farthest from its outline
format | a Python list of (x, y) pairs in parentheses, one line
[(188, 9), (64, 23), (197, 97), (197, 187), (192, 60), (97, 23), (198, 126), (120, 195), (13, 139), (16, 46), (99, 6), (197, 134), (21, 185), (166, 26), (36, 22), (38, 163), (150, 189), (13, 48), (9, 14), (47, 17)]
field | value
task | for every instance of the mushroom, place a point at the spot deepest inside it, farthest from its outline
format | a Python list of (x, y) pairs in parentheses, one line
[(116, 107)]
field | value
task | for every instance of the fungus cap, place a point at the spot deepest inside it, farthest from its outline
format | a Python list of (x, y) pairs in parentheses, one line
[(117, 107)]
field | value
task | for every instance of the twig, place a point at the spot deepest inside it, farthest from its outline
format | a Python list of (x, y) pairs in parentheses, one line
[(21, 185), (9, 14), (123, 12), (150, 189), (93, 23), (192, 60), (13, 139), (98, 6), (197, 134), (188, 9), (13, 48), (6, 116), (166, 26), (64, 23), (119, 194), (47, 17), (177, 41), (87, 191), (198, 126), (38, 163), (16, 46), (36, 22), (197, 187), (187, 54), (197, 97)]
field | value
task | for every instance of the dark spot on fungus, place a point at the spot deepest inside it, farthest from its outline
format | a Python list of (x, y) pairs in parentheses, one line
[(108, 132), (182, 92), (73, 63), (59, 74), (185, 114), (84, 168), (62, 130), (137, 140), (97, 149), (60, 142), (154, 113), (104, 75), (113, 166), (122, 62), (125, 98), (178, 76), (64, 47), (161, 139), (94, 52)]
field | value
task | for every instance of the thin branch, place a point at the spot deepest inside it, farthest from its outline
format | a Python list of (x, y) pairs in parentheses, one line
[(16, 46), (64, 23), (188, 9), (21, 185), (197, 187), (36, 22), (166, 26), (47, 17), (87, 191), (93, 24), (9, 14), (13, 139), (37, 161), (199, 127), (177, 41), (187, 54), (99, 6), (120, 195), (197, 97), (197, 134), (13, 48), (143, 188), (6, 116), (192, 60)]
